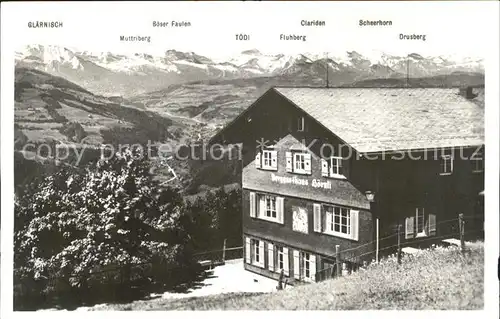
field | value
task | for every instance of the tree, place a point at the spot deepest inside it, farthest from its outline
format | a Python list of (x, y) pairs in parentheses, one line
[(72, 225)]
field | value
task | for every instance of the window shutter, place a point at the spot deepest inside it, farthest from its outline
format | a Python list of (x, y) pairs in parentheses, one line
[(280, 206), (307, 163), (317, 217), (354, 224), (328, 223), (289, 167), (274, 160), (410, 227), (252, 205), (432, 224), (312, 267), (296, 263), (324, 167), (270, 254), (286, 261), (262, 206), (261, 253), (257, 160), (247, 250)]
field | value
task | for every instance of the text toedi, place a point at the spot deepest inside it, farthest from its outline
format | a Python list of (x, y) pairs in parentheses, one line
[(316, 183)]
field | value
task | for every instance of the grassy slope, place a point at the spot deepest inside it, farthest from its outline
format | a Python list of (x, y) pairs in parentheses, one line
[(437, 279), (47, 107), (44, 103)]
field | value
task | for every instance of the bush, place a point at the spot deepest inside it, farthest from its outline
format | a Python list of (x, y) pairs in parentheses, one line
[(215, 217), (72, 228)]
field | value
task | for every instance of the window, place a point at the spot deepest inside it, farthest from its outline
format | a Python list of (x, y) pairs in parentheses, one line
[(420, 218), (332, 167), (421, 224), (477, 161), (335, 166), (446, 164), (298, 162), (280, 258), (270, 206), (306, 264), (266, 206), (300, 124), (336, 221), (267, 159), (256, 252)]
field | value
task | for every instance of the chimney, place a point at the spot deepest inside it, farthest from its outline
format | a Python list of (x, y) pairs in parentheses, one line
[(467, 93)]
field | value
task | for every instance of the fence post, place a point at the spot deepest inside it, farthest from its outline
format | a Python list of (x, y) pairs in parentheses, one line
[(224, 251), (337, 261), (377, 240), (399, 244), (461, 224)]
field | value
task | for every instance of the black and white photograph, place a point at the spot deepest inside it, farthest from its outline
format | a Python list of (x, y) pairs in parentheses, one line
[(245, 175)]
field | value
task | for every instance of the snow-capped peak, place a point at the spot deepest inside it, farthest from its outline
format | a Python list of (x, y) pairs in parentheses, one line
[(50, 55), (251, 52)]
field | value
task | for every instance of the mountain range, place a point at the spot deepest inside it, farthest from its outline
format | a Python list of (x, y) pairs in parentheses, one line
[(110, 74)]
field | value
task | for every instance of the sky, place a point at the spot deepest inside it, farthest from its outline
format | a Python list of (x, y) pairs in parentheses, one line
[(459, 28)]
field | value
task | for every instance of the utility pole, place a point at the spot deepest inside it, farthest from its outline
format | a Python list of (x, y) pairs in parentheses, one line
[(399, 244), (408, 71), (461, 227), (376, 242), (224, 251), (327, 70)]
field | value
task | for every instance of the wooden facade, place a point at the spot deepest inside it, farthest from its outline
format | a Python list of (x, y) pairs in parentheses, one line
[(295, 219)]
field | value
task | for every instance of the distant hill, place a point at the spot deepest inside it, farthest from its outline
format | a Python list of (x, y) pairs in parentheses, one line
[(54, 111), (455, 79), (50, 108)]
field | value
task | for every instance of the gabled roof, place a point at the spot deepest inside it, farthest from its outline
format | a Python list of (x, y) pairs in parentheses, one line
[(392, 119), (378, 119)]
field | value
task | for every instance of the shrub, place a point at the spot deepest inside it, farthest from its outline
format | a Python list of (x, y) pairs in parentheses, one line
[(72, 228), (215, 217)]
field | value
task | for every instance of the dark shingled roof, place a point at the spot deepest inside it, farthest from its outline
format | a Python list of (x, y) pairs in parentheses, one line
[(388, 119)]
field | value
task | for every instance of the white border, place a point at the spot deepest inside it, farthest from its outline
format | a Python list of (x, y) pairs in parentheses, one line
[(96, 21)]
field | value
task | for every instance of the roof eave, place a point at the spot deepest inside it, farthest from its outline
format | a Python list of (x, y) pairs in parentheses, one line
[(418, 149)]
